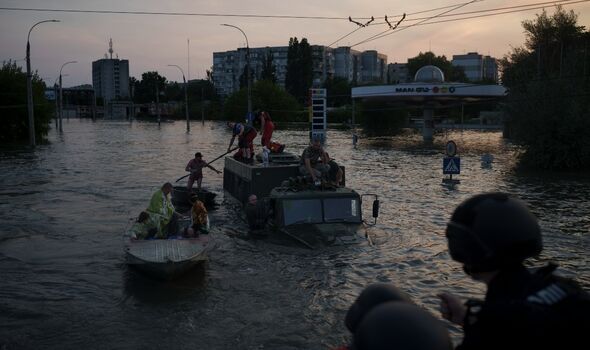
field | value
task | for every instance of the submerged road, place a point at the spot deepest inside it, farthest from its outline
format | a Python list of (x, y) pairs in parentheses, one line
[(64, 207)]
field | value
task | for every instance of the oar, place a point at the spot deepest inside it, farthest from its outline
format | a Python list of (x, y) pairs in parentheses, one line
[(230, 151)]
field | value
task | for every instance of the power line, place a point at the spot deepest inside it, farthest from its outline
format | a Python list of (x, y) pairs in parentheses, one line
[(379, 35), (519, 8), (207, 14)]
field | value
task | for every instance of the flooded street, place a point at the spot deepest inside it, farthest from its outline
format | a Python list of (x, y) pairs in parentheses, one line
[(64, 208)]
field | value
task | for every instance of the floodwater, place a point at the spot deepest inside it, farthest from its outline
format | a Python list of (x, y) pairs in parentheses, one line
[(64, 207)]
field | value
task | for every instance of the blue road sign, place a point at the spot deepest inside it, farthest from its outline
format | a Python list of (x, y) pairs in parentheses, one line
[(451, 165)]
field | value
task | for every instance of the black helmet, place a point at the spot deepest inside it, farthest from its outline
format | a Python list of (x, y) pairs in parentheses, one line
[(370, 297), (401, 326), (491, 231)]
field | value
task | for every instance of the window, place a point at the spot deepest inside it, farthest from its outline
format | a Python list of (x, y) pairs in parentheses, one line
[(341, 209), (302, 211)]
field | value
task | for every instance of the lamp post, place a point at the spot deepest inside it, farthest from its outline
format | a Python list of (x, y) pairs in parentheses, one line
[(55, 95), (30, 85), (61, 102), (247, 70), (188, 125)]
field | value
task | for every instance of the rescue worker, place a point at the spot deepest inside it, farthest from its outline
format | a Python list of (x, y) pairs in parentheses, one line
[(371, 296), (395, 325), (266, 129), (246, 135), (491, 235), (314, 162)]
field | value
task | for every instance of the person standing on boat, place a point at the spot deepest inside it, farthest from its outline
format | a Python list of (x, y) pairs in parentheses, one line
[(162, 211), (246, 135), (266, 129), (491, 235), (314, 162), (195, 166)]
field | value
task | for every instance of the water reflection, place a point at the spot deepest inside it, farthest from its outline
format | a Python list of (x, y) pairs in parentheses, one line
[(65, 205)]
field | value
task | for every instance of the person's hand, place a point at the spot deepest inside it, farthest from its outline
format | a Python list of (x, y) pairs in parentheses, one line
[(452, 308)]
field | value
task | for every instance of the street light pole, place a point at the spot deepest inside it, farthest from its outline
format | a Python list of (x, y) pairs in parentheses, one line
[(61, 100), (188, 125), (30, 86), (247, 71), (56, 102)]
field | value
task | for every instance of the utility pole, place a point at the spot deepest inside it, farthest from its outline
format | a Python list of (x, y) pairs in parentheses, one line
[(247, 71), (188, 125), (158, 102), (202, 106), (30, 108)]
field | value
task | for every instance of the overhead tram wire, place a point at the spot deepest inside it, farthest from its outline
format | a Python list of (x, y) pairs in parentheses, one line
[(495, 14), (380, 35), (161, 13), (69, 10), (403, 16), (519, 8), (504, 8)]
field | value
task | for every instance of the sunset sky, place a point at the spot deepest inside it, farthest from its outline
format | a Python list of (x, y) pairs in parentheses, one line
[(151, 41)]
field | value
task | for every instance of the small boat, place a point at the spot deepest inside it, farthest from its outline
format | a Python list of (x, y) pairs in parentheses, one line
[(168, 258), (183, 200)]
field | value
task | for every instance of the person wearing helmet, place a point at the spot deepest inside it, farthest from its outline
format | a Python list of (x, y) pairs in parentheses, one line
[(492, 234), (395, 325), (245, 134), (373, 295)]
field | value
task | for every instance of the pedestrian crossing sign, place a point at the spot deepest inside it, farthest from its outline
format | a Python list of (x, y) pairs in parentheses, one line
[(451, 165)]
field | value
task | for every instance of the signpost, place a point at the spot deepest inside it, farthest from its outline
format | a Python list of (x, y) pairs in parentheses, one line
[(451, 163)]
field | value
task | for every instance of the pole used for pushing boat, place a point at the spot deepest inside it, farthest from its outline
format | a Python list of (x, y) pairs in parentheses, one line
[(230, 151)]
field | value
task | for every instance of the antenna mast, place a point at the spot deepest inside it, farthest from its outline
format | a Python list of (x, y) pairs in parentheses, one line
[(111, 47)]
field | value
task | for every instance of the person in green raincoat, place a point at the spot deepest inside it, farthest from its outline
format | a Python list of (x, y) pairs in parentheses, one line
[(162, 211), (143, 227)]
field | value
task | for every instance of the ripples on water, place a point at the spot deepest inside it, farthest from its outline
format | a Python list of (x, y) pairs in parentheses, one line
[(64, 206)]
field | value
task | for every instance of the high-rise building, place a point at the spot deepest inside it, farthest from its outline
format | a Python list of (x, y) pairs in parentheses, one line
[(398, 73), (110, 77), (347, 63), (373, 67), (342, 62), (477, 67)]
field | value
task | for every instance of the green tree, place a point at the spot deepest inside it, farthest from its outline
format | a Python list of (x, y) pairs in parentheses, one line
[(145, 90), (269, 71), (298, 79), (202, 94), (338, 90), (13, 102), (265, 96), (451, 72), (548, 108)]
